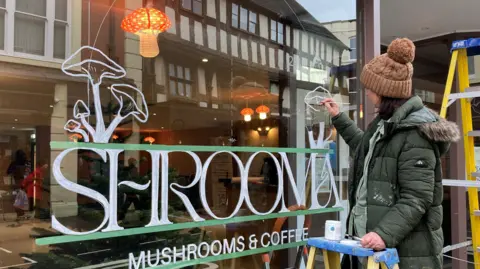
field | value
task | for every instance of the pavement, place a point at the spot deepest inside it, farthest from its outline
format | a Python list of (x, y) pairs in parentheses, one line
[(16, 242)]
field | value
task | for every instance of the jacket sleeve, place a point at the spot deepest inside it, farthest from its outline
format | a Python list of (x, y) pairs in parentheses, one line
[(416, 180), (348, 129)]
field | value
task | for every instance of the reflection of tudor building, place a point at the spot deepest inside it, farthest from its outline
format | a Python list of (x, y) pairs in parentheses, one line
[(260, 41)]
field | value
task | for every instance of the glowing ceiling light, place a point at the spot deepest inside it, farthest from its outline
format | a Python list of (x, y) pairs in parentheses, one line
[(247, 114), (263, 111)]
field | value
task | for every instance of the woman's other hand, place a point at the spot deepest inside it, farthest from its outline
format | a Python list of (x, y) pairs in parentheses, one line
[(373, 240), (331, 106)]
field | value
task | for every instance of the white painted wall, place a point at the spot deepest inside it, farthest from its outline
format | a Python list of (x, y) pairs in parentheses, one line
[(160, 71), (212, 37), (254, 52), (271, 57), (223, 11), (198, 33), (343, 30), (263, 25), (263, 54), (234, 45), (223, 41), (202, 89), (244, 48), (211, 9), (171, 14), (184, 28)]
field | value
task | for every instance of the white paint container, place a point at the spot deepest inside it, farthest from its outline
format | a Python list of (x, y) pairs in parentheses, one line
[(333, 230)]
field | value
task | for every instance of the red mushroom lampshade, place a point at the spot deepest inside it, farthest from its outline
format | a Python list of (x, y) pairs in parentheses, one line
[(147, 23), (247, 113), (149, 139), (263, 111)]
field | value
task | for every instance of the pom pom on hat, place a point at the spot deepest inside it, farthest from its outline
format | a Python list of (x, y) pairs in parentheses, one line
[(401, 50)]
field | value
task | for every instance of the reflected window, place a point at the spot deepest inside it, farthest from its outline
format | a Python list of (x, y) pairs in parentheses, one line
[(471, 65), (180, 81), (276, 33), (244, 19), (31, 24), (193, 5), (353, 47)]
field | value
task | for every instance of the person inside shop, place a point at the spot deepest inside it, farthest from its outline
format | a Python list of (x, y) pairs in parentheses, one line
[(395, 188), (18, 169), (33, 185), (130, 173)]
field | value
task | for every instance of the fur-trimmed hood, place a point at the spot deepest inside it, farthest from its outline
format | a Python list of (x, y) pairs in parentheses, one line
[(436, 129)]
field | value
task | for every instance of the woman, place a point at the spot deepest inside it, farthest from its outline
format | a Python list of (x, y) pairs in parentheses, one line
[(33, 184), (395, 189)]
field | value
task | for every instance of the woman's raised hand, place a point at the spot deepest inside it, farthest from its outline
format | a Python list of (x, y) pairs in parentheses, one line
[(331, 106)]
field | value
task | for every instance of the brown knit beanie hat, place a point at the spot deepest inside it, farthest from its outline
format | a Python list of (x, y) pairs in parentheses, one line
[(390, 74)]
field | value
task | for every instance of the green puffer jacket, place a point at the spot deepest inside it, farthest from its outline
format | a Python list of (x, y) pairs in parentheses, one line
[(404, 184)]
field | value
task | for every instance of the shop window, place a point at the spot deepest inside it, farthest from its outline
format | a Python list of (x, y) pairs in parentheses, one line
[(196, 6), (244, 19), (180, 81), (353, 47), (276, 31), (32, 23)]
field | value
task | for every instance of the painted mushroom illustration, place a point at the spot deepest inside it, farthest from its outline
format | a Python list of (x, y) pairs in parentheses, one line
[(109, 70)]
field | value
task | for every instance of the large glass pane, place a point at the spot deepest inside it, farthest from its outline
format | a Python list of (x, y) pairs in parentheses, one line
[(198, 7), (273, 30), (29, 34), (61, 9), (171, 69), (59, 42), (34, 7), (187, 4), (137, 127), (243, 18), (179, 72), (173, 87), (253, 22)]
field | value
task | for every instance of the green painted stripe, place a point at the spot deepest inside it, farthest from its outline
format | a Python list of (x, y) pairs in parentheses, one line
[(177, 226), (229, 256), (70, 145)]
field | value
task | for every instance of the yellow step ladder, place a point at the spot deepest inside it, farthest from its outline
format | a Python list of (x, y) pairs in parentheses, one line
[(460, 51)]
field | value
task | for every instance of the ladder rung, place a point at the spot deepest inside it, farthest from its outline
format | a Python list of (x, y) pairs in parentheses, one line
[(471, 92), (478, 249), (461, 183), (476, 174), (476, 213), (474, 133)]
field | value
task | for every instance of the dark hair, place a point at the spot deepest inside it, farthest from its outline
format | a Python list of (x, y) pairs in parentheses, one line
[(20, 157), (388, 106)]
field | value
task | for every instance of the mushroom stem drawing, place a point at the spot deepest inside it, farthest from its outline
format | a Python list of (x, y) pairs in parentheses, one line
[(73, 126), (111, 70)]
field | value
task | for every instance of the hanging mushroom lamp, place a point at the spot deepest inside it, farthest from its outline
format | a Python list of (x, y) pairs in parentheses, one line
[(247, 114), (149, 139), (263, 111), (147, 23)]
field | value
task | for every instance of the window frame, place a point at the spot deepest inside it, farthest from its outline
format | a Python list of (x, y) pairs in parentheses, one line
[(177, 80), (353, 49), (202, 13), (277, 32), (239, 18), (50, 20)]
